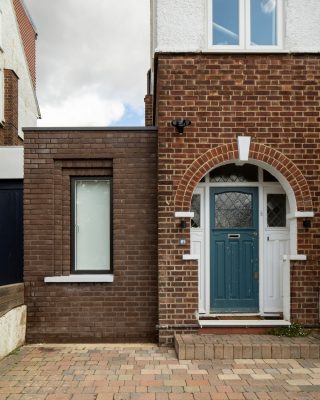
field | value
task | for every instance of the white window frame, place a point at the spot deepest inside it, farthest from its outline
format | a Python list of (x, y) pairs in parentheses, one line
[(245, 31)]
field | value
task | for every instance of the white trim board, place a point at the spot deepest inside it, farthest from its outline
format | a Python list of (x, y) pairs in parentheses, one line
[(242, 323), (184, 214)]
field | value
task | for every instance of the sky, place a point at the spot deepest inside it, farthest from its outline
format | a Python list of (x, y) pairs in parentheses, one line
[(92, 61)]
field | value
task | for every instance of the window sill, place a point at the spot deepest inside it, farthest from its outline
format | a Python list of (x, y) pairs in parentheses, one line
[(98, 278)]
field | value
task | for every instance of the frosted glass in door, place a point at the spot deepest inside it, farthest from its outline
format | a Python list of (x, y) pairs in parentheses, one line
[(92, 228)]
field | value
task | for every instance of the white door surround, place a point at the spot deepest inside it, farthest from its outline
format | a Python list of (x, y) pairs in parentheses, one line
[(272, 298)]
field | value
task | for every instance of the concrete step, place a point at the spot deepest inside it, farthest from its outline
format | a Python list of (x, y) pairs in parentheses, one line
[(229, 347)]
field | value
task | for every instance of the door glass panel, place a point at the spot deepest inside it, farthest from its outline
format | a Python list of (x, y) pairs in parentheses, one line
[(233, 210), (225, 17), (263, 18), (235, 173), (195, 207), (276, 210)]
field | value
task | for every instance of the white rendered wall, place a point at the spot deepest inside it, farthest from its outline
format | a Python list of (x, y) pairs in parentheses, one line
[(14, 58), (181, 25), (11, 162), (12, 330), (303, 26)]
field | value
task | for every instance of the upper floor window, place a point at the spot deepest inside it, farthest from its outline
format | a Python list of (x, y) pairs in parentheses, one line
[(245, 24)]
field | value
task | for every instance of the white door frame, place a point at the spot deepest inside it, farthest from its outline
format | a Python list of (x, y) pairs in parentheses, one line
[(203, 189)]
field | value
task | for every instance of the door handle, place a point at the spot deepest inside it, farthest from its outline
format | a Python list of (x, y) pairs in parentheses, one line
[(234, 236), (256, 276)]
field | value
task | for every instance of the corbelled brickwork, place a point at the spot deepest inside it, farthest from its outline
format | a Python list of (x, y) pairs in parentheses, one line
[(9, 136), (148, 114), (28, 36), (126, 309), (275, 99)]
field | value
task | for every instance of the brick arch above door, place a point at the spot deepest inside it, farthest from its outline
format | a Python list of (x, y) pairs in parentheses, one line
[(259, 154)]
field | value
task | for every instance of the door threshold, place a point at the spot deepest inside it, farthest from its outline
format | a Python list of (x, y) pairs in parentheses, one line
[(206, 323), (217, 315)]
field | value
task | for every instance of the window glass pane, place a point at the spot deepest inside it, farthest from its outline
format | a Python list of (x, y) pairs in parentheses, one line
[(235, 173), (233, 210), (225, 17), (92, 220), (276, 210), (195, 207), (267, 177), (263, 17)]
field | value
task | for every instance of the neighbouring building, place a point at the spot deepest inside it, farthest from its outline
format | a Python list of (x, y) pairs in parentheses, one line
[(208, 217), (18, 107)]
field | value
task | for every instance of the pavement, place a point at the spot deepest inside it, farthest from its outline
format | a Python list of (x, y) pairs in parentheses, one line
[(147, 372)]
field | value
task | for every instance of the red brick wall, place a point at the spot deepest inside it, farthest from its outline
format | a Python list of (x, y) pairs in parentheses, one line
[(148, 101), (275, 99), (28, 36), (11, 91), (125, 310)]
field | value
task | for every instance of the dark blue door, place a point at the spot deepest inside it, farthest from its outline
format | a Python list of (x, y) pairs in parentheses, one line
[(234, 280), (11, 232)]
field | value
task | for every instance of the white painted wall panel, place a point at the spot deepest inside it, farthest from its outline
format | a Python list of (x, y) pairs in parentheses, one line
[(11, 162), (180, 25), (302, 25)]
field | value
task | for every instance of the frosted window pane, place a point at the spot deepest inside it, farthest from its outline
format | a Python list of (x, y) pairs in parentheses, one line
[(263, 22), (195, 207), (92, 211), (225, 17)]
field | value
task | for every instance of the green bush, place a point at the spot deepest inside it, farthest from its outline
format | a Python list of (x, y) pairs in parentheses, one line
[(294, 330)]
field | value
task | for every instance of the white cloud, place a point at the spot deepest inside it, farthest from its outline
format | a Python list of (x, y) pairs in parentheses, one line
[(268, 6), (82, 110), (98, 47)]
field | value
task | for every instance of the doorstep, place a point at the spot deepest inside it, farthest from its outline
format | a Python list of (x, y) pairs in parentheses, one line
[(214, 347)]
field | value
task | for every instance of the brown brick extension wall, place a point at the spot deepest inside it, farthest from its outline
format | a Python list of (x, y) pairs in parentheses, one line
[(9, 133), (275, 99), (125, 310), (28, 36)]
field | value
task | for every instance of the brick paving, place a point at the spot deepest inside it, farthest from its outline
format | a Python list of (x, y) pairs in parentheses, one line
[(146, 372)]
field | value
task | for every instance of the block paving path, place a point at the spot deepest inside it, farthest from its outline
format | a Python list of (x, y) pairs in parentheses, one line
[(146, 372)]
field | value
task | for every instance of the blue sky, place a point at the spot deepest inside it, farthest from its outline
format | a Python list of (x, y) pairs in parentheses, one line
[(92, 61)]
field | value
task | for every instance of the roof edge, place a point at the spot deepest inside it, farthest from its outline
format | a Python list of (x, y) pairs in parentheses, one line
[(29, 16), (92, 129)]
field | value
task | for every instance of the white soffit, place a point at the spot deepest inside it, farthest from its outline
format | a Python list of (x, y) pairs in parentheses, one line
[(243, 147), (11, 162)]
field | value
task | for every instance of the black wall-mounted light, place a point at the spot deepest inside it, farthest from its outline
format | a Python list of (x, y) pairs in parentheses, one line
[(180, 124), (306, 223), (183, 224)]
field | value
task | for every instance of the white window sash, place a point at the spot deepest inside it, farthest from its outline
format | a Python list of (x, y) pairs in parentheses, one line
[(245, 30)]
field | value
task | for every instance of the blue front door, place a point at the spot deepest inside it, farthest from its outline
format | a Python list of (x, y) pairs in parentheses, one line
[(234, 271)]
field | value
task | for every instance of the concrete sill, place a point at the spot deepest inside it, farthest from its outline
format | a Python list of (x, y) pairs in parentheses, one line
[(98, 278)]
